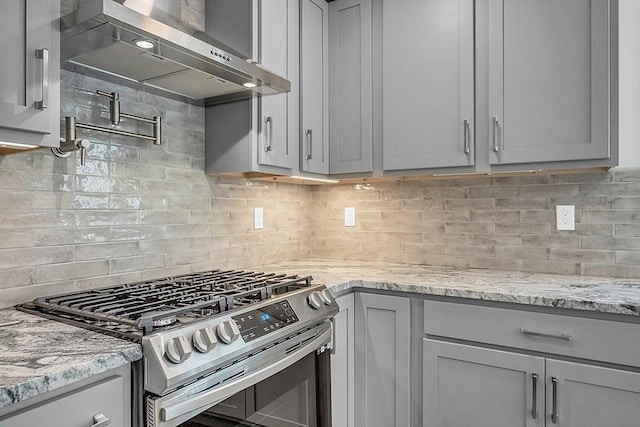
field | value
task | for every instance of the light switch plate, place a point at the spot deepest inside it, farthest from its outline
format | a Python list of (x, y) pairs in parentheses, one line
[(565, 217), (349, 217), (258, 218)]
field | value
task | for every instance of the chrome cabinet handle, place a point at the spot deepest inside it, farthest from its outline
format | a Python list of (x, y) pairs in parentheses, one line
[(554, 409), (467, 149), (309, 135), (269, 121), (44, 55), (534, 399), (562, 337), (495, 124), (99, 420)]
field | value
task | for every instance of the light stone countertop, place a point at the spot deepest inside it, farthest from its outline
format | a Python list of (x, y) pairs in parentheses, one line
[(598, 294), (39, 355)]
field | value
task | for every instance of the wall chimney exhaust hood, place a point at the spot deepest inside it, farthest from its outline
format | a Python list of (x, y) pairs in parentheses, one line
[(106, 36)]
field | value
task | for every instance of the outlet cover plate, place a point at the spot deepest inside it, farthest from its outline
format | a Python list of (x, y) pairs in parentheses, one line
[(565, 217), (258, 218), (349, 217)]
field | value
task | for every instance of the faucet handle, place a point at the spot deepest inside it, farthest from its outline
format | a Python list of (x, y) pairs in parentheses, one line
[(66, 147), (82, 145)]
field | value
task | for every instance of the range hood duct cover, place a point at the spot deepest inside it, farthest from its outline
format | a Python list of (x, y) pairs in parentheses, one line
[(102, 36)]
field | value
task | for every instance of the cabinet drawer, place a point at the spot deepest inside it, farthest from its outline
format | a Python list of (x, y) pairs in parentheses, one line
[(593, 339), (77, 408)]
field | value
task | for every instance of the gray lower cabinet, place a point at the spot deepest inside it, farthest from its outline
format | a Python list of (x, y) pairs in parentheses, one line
[(314, 86), (258, 135), (549, 80), (591, 396), (343, 364), (105, 398), (382, 370), (473, 382), (473, 386), (479, 387), (30, 73), (427, 67), (350, 114)]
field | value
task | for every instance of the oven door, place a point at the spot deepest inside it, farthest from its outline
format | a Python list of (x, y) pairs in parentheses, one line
[(290, 398), (292, 389)]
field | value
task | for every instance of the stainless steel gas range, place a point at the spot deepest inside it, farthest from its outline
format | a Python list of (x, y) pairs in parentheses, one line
[(220, 348)]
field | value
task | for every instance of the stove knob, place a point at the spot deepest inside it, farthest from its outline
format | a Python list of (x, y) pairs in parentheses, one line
[(314, 300), (228, 331), (326, 297), (178, 349), (204, 340)]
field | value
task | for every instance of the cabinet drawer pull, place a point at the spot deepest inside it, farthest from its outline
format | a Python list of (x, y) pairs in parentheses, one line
[(562, 337), (44, 55), (554, 408), (495, 124), (268, 121), (467, 149), (534, 399), (99, 420), (309, 135)]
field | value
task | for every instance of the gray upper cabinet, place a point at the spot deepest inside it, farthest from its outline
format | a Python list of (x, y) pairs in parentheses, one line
[(549, 81), (276, 132), (258, 135), (30, 72), (427, 83), (314, 86), (350, 113), (382, 346)]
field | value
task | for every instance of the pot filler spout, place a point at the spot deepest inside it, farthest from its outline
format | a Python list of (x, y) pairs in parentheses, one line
[(111, 38)]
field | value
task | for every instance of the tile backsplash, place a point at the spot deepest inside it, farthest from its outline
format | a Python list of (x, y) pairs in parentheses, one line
[(504, 223), (135, 210), (138, 211)]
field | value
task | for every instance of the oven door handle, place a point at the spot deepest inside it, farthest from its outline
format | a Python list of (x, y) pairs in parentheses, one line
[(208, 398)]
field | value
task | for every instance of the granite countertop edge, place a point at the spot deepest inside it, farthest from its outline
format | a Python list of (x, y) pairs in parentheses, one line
[(38, 385), (496, 296), (38, 355)]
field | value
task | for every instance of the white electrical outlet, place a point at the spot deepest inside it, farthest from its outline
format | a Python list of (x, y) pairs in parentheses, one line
[(349, 217), (565, 217), (258, 218)]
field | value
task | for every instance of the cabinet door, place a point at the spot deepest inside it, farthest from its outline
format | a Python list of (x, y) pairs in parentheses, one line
[(78, 408), (591, 396), (473, 386), (427, 79), (314, 53), (274, 54), (30, 72), (382, 360), (342, 364), (548, 80), (350, 117)]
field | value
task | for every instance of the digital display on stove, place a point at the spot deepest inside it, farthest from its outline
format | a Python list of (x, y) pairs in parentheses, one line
[(257, 323)]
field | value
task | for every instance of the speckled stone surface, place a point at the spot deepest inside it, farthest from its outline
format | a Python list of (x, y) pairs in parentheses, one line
[(38, 355), (600, 294)]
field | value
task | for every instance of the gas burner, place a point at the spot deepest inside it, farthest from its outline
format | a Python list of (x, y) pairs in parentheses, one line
[(165, 321), (172, 300)]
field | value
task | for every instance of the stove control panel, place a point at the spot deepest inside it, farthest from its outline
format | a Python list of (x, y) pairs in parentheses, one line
[(257, 323)]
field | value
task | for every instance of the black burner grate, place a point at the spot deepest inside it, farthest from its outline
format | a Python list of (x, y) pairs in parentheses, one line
[(137, 309)]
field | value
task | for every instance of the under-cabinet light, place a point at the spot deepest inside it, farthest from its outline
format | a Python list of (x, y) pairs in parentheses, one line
[(16, 145), (144, 44), (327, 181)]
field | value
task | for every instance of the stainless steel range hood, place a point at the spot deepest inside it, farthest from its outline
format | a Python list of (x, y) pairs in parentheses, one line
[(106, 36)]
